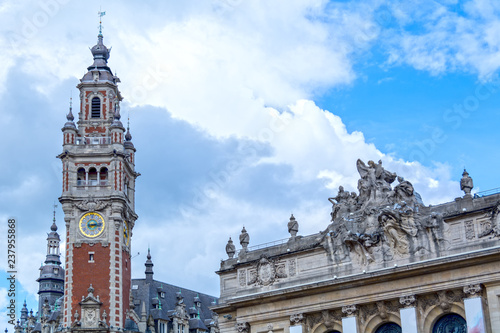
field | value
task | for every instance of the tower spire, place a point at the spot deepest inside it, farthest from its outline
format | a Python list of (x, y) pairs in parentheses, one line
[(128, 136), (149, 267), (54, 226)]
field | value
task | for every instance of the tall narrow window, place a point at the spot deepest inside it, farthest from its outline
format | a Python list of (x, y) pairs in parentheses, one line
[(92, 177), (96, 108), (80, 180), (103, 175)]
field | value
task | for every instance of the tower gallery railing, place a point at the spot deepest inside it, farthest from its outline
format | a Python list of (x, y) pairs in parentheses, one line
[(93, 140), (92, 182)]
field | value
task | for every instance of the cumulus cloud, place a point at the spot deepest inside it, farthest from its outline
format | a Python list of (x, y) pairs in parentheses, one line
[(452, 36)]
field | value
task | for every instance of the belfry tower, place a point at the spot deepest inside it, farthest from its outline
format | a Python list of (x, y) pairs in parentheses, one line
[(98, 202)]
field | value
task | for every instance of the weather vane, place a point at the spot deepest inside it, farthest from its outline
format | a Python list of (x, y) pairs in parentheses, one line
[(101, 14)]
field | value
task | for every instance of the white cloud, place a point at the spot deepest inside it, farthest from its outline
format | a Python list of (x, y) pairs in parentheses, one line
[(449, 39)]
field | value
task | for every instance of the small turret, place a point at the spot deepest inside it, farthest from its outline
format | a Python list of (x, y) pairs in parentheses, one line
[(69, 128), (24, 314), (116, 128), (51, 280)]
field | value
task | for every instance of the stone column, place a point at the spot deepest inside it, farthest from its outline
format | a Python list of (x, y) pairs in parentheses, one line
[(349, 322), (296, 321), (474, 314), (408, 314)]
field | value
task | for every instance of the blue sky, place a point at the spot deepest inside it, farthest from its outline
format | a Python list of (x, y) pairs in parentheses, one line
[(244, 112)]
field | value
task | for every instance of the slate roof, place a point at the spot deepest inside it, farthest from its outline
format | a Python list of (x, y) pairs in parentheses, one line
[(150, 291)]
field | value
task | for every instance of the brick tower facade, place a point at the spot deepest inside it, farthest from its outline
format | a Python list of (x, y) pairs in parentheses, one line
[(98, 203)]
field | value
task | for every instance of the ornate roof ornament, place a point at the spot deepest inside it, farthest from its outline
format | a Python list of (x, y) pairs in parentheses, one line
[(293, 226), (244, 238), (230, 248), (466, 183)]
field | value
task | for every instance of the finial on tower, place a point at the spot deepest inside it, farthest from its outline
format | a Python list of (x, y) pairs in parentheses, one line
[(101, 14), (128, 136), (69, 116), (54, 226)]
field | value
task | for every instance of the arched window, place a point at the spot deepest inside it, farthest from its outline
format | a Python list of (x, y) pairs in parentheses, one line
[(80, 177), (103, 176), (92, 177), (96, 108), (389, 328), (450, 323)]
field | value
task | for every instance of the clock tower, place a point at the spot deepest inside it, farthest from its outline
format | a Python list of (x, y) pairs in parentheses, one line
[(98, 191)]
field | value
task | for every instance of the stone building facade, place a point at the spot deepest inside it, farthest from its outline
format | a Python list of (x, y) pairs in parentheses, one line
[(385, 262)]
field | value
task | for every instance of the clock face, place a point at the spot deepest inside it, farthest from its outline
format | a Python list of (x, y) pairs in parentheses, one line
[(126, 233), (92, 224)]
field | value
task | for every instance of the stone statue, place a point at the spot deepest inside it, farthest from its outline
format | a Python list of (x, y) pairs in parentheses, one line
[(244, 238), (293, 226), (394, 233), (343, 203), (375, 181), (466, 183), (403, 191), (230, 248)]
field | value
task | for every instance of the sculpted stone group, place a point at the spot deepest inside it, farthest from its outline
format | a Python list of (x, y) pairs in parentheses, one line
[(383, 222)]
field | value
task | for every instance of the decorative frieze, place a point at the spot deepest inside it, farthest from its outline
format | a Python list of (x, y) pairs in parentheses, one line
[(380, 308), (91, 204), (443, 298)]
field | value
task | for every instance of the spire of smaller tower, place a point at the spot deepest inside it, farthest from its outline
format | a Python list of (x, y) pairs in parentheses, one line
[(70, 113), (69, 116), (128, 136), (149, 267), (54, 226)]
